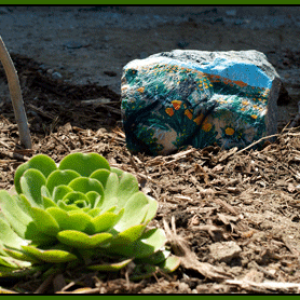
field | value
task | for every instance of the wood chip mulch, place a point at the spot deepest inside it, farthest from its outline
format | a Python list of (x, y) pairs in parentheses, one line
[(232, 216)]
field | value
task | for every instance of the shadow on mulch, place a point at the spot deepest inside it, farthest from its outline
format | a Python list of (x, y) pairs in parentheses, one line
[(53, 102)]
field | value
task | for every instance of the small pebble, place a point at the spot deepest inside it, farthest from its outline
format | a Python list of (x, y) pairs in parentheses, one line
[(225, 251), (56, 75), (183, 287)]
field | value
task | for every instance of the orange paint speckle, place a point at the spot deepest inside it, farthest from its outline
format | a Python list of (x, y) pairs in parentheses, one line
[(207, 127), (199, 119), (169, 111), (240, 83), (188, 113), (229, 131), (176, 104)]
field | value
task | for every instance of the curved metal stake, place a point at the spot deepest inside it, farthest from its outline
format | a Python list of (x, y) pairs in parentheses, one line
[(16, 95)]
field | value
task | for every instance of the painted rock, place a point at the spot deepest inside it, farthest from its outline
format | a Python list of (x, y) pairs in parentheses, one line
[(180, 98)]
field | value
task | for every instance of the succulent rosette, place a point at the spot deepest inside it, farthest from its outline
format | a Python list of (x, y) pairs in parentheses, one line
[(80, 212)]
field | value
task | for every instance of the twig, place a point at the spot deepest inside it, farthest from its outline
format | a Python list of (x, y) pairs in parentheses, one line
[(62, 143), (112, 109), (189, 259), (97, 102), (257, 142), (4, 144), (6, 291), (16, 95), (41, 112), (267, 273), (64, 289), (84, 291), (268, 137), (42, 288), (227, 206), (72, 283), (14, 155), (267, 285)]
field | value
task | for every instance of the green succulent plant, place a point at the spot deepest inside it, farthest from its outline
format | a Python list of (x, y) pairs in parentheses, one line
[(80, 212)]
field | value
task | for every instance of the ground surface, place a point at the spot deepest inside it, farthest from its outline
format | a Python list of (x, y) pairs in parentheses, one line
[(236, 213)]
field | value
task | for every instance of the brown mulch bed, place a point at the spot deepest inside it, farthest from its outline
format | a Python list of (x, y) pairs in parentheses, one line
[(233, 216)]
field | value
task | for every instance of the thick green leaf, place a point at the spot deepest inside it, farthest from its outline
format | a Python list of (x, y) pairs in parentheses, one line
[(2, 252), (154, 259), (77, 198), (150, 242), (23, 202), (7, 263), (8, 236), (114, 267), (45, 192), (85, 185), (101, 175), (59, 192), (128, 236), (153, 205), (142, 272), (127, 187), (13, 273), (20, 255), (117, 171), (40, 162), (106, 220), (94, 198), (112, 209), (14, 214), (33, 232), (136, 209), (94, 212), (44, 221), (108, 204), (83, 241), (170, 264), (10, 262), (31, 183), (47, 202), (60, 177), (50, 256), (67, 207), (72, 220), (111, 187), (84, 163), (37, 237)]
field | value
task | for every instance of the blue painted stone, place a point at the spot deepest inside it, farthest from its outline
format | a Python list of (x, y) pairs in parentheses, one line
[(174, 99)]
